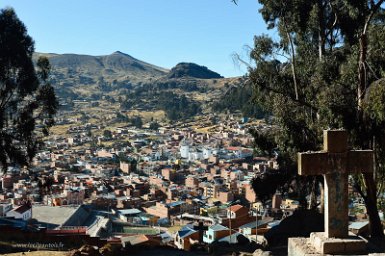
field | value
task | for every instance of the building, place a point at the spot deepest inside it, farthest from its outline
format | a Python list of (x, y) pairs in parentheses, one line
[(4, 208), (210, 190), (237, 211), (276, 201), (186, 237), (191, 182), (214, 233), (139, 240), (249, 193), (73, 195), (207, 153), (225, 196), (23, 212), (125, 167), (184, 149), (169, 174), (163, 210), (128, 215), (60, 216)]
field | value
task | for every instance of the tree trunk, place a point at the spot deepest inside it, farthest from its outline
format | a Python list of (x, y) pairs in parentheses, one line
[(322, 197), (362, 79), (313, 196), (292, 54), (321, 32), (376, 228)]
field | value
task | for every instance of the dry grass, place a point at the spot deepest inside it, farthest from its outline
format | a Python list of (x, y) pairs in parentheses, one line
[(60, 129), (173, 229), (147, 115), (206, 129)]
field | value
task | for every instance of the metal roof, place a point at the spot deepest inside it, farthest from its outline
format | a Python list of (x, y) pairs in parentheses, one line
[(129, 211), (358, 224)]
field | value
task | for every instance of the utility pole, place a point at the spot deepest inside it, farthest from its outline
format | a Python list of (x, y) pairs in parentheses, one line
[(230, 221), (235, 202), (256, 220)]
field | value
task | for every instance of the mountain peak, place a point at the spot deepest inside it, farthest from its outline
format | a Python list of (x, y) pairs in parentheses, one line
[(119, 53)]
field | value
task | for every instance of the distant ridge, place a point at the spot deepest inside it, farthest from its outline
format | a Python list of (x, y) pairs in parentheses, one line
[(118, 67), (116, 64)]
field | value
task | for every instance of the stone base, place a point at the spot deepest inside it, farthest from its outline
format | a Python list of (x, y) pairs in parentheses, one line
[(300, 246), (349, 245), (318, 244)]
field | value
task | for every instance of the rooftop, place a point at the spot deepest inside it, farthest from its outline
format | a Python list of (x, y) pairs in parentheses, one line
[(129, 211), (22, 208), (218, 227), (235, 208), (55, 215), (175, 204)]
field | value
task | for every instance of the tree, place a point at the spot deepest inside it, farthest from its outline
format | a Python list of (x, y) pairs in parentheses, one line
[(107, 134), (136, 121), (308, 81), (154, 125), (27, 100)]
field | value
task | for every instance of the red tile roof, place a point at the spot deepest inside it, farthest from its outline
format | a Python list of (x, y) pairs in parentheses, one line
[(235, 208)]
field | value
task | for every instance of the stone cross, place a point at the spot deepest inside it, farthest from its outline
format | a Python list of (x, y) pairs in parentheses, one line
[(335, 163)]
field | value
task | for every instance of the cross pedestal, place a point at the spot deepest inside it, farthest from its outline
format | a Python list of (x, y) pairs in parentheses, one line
[(335, 163)]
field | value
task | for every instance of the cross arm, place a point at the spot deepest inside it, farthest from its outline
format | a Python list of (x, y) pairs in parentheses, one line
[(360, 161), (321, 162), (312, 163)]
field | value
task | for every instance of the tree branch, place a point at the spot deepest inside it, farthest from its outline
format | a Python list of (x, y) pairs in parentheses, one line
[(373, 11), (292, 97), (358, 188), (293, 67)]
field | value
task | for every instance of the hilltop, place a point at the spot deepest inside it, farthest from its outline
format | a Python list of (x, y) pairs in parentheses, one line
[(192, 70)]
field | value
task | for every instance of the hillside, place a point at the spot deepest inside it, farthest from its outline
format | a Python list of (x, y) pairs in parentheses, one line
[(117, 66), (122, 83)]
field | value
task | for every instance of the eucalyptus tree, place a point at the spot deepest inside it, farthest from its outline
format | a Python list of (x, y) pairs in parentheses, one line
[(27, 100), (325, 70)]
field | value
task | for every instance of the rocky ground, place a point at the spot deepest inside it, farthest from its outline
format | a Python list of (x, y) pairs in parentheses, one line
[(38, 253)]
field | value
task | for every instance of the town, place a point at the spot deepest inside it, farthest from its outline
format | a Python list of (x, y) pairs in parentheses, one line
[(185, 185), (279, 151)]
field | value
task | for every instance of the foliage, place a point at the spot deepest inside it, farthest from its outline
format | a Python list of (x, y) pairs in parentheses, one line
[(27, 100), (375, 102), (146, 96), (121, 117), (107, 134), (319, 75), (154, 126), (136, 121), (239, 98), (177, 107)]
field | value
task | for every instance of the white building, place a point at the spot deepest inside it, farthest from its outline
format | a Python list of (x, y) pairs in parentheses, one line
[(23, 212), (184, 149), (194, 156), (4, 208), (207, 153)]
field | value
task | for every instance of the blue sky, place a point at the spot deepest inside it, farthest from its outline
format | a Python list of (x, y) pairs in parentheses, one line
[(161, 32)]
